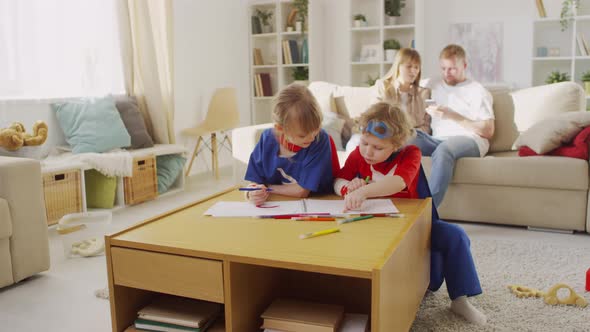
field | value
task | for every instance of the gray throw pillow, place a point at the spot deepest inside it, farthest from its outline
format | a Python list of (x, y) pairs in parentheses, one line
[(133, 120)]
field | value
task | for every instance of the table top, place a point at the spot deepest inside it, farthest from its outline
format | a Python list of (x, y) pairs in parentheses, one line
[(358, 249)]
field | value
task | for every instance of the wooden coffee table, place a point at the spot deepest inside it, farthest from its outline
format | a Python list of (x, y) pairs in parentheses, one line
[(378, 266)]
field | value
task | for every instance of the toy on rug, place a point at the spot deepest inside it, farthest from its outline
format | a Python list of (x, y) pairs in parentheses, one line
[(551, 296), (15, 136)]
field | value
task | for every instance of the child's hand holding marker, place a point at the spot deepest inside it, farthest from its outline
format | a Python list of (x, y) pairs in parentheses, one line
[(353, 200), (258, 193)]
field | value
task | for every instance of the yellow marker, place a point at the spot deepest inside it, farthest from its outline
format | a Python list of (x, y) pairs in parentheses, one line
[(319, 233)]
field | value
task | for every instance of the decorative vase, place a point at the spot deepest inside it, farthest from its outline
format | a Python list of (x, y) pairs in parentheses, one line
[(358, 23), (289, 29), (390, 55), (266, 28), (587, 87), (298, 26), (391, 20)]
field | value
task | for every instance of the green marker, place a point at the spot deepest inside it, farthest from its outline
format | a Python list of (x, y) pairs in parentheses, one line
[(367, 179), (344, 221)]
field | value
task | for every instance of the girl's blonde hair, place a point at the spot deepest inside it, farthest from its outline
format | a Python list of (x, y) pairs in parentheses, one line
[(403, 56), (393, 117), (296, 104)]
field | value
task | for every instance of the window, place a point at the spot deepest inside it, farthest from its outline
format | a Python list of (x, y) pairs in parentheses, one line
[(59, 48)]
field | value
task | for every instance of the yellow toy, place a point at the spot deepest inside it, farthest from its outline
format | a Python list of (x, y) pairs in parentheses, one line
[(15, 137), (551, 296)]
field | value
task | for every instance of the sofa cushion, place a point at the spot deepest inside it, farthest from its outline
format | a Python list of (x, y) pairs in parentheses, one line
[(323, 91), (5, 220), (134, 122), (168, 168), (505, 132), (552, 132), (508, 169), (92, 126), (357, 99), (535, 104)]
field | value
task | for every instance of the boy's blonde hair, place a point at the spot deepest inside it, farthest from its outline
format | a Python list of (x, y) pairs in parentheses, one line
[(296, 104), (453, 51), (393, 117)]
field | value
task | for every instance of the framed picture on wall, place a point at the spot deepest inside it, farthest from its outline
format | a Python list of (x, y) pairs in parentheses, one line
[(371, 53)]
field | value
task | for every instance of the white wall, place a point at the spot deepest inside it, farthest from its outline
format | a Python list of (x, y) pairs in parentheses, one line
[(211, 51), (516, 17)]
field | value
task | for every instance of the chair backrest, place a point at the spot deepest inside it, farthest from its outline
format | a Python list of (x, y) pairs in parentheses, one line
[(222, 113)]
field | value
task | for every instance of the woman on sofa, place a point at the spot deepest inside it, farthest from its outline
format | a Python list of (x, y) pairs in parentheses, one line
[(401, 86)]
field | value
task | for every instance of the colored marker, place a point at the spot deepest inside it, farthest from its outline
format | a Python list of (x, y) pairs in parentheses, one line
[(367, 179), (313, 218), (344, 221), (254, 189), (319, 233), (391, 215)]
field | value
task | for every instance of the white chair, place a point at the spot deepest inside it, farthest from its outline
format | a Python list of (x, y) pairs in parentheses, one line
[(222, 115)]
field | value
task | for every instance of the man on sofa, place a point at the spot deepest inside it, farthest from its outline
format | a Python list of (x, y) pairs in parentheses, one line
[(462, 120)]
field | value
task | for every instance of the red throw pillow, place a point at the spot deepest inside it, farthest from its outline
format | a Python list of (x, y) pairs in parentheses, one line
[(577, 149)]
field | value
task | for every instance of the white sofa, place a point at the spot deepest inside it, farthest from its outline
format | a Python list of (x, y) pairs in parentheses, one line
[(24, 247), (501, 188)]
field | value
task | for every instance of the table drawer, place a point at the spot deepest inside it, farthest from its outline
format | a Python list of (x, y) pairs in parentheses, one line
[(166, 273)]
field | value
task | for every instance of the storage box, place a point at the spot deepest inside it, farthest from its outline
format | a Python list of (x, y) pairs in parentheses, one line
[(82, 234), (63, 194), (143, 185), (100, 189)]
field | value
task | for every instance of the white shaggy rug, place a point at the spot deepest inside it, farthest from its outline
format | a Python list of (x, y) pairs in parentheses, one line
[(527, 263)]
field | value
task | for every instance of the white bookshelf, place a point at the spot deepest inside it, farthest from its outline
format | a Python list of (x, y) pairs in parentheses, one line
[(407, 27), (270, 45), (547, 33)]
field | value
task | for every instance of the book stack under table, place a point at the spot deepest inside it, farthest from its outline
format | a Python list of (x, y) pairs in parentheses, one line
[(169, 313), (300, 316)]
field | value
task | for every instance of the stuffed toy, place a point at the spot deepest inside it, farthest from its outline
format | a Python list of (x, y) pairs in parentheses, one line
[(15, 137)]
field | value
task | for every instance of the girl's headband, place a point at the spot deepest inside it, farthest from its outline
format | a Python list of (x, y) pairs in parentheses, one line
[(379, 129)]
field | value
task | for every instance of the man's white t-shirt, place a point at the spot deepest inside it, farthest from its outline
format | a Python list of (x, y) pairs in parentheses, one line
[(468, 98)]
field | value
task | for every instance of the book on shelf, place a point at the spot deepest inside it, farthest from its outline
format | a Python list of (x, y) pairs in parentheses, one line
[(180, 311), (584, 44), (256, 26), (580, 42), (286, 53), (541, 8), (266, 85), (294, 49), (151, 325), (258, 85), (258, 61), (294, 315)]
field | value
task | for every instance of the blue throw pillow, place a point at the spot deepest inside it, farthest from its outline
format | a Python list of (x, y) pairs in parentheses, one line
[(168, 167), (92, 126)]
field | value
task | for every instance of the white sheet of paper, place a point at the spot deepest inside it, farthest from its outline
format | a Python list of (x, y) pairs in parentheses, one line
[(319, 206), (375, 206), (246, 209)]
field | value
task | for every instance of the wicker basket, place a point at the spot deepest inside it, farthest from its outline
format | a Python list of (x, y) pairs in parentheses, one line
[(143, 185), (63, 194)]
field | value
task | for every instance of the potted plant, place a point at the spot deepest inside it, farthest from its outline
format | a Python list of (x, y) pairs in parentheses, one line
[(359, 20), (393, 10), (567, 12), (301, 75), (391, 46), (586, 79), (370, 80), (265, 16), (556, 76), (301, 6)]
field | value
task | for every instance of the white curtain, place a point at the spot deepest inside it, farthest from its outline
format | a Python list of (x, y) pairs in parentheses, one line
[(59, 48), (147, 51)]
